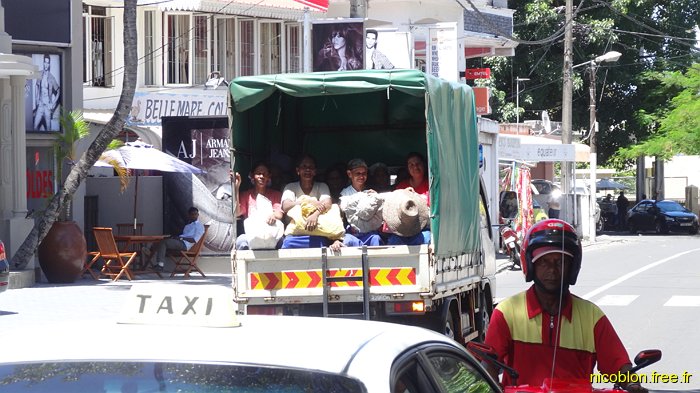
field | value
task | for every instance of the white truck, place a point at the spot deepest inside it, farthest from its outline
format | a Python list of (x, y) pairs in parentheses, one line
[(447, 285)]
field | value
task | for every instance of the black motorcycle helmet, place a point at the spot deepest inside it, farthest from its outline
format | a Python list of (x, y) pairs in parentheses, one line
[(551, 233)]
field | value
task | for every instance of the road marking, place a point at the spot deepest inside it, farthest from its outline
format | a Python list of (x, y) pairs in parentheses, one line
[(683, 301), (634, 273), (616, 300)]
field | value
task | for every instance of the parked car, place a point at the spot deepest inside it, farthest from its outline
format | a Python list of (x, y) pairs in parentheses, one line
[(170, 339), (4, 269), (662, 217)]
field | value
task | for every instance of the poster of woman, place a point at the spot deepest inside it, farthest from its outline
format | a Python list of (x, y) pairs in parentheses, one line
[(338, 46)]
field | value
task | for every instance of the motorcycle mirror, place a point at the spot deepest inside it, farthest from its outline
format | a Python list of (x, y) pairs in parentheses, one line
[(483, 352), (645, 358), (486, 353)]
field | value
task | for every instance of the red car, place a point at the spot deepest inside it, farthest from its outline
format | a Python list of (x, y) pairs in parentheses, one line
[(4, 269)]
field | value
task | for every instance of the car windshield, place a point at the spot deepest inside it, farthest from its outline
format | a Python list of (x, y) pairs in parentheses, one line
[(133, 377), (670, 206)]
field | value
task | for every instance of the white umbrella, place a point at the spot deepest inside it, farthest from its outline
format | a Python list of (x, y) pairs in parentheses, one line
[(609, 184), (142, 156)]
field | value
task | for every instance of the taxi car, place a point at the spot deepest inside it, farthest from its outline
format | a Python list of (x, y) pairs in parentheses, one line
[(4, 269), (198, 346)]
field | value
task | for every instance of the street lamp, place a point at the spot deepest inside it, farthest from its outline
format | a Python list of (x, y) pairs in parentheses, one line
[(611, 56), (517, 102)]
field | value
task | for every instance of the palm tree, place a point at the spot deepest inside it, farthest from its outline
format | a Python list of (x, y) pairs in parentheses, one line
[(79, 171)]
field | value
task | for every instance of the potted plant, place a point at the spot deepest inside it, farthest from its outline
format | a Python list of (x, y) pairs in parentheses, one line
[(63, 251)]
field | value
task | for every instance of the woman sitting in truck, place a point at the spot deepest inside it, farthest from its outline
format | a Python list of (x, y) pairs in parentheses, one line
[(247, 200), (418, 182), (308, 191)]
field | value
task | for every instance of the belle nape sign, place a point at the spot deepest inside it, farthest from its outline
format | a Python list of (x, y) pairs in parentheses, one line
[(512, 148)]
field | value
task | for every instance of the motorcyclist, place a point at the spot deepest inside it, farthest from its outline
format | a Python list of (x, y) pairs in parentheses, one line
[(526, 330)]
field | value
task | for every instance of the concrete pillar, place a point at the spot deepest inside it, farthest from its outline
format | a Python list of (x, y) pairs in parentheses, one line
[(6, 166), (19, 147)]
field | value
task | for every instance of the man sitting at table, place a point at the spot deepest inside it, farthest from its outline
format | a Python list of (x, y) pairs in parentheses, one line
[(191, 234)]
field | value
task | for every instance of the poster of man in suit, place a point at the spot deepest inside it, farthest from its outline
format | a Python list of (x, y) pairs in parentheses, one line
[(43, 94)]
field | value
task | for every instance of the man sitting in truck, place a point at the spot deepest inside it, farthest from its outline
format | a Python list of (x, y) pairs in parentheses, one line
[(356, 203)]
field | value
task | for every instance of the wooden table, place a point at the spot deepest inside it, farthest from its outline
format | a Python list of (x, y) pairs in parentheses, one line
[(126, 242)]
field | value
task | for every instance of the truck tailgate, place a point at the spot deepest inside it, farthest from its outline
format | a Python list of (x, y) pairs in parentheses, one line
[(294, 275)]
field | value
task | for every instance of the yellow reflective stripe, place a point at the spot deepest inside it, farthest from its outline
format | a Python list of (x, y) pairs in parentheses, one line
[(521, 329), (578, 333)]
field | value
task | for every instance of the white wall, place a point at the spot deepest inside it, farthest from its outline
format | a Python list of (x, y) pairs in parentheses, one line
[(679, 172), (115, 207)]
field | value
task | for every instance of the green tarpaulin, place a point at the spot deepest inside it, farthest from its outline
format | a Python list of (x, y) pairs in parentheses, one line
[(375, 115)]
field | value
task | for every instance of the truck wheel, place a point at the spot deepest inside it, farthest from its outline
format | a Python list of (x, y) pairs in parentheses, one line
[(449, 327), (483, 318)]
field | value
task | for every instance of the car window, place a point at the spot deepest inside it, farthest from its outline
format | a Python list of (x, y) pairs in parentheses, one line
[(643, 207), (542, 187), (457, 375), (669, 206), (136, 377)]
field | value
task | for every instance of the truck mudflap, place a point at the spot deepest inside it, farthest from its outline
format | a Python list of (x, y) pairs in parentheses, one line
[(295, 275)]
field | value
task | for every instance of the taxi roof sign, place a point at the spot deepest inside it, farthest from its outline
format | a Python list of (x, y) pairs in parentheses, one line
[(180, 305)]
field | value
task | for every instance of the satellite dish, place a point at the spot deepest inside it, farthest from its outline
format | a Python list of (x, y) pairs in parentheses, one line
[(546, 123)]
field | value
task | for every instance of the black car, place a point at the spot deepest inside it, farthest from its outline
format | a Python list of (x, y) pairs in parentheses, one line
[(661, 217)]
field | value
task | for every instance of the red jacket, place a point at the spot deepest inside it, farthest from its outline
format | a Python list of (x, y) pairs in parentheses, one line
[(525, 338)]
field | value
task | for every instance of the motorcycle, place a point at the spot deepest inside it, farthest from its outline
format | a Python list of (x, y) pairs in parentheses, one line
[(485, 353), (511, 243)]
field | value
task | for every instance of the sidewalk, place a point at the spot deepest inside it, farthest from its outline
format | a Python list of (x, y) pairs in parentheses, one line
[(210, 265)]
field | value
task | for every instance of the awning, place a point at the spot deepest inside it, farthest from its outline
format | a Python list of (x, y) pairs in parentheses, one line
[(582, 153), (279, 9)]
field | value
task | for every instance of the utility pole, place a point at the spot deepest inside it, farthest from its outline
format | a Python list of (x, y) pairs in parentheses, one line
[(594, 157), (517, 102), (567, 96)]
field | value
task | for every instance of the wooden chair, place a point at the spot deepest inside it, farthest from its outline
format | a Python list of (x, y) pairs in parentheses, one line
[(87, 268), (116, 263), (186, 261)]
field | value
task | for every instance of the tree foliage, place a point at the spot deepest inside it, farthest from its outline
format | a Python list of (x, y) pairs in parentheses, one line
[(652, 35), (676, 126)]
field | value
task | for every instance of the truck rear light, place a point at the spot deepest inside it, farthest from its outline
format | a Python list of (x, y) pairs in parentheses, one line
[(263, 310), (412, 307)]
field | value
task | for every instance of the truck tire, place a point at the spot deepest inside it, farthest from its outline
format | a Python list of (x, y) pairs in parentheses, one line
[(483, 318)]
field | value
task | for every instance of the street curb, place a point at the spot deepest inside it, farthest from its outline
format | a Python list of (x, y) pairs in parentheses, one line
[(22, 279)]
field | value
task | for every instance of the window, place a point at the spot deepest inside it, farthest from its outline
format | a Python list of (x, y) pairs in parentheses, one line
[(456, 375), (150, 48), (201, 49), (125, 376), (294, 48), (225, 59), (270, 47), (247, 48), (178, 36), (97, 56)]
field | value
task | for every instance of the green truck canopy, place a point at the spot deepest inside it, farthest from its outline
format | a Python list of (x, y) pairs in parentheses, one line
[(376, 115)]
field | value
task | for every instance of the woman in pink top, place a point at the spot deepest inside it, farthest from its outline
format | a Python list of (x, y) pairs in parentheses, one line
[(418, 176), (247, 200)]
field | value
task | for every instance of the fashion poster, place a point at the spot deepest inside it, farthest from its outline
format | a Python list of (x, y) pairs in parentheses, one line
[(338, 46), (43, 94), (204, 143), (387, 49)]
